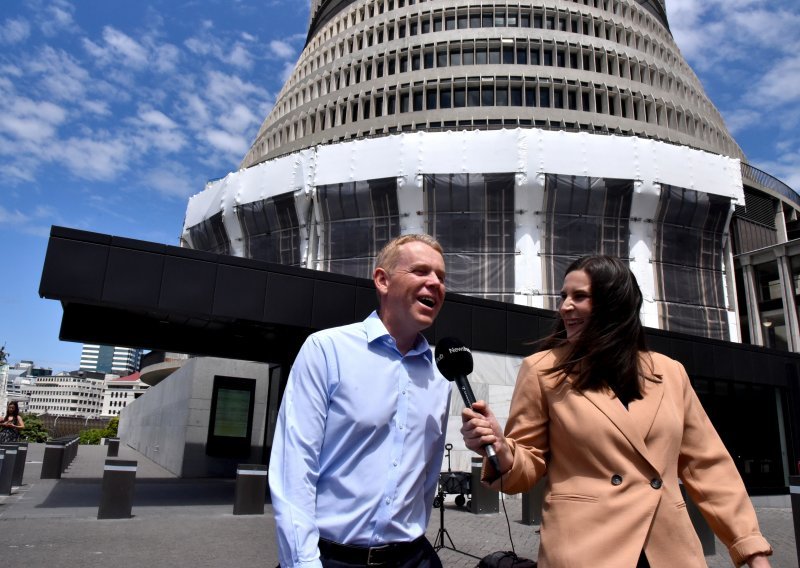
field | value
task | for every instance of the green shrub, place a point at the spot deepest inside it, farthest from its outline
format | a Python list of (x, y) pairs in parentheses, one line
[(92, 436), (34, 431)]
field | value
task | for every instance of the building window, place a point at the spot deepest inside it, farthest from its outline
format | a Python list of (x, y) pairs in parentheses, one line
[(210, 235), (688, 259), (358, 218), (472, 216), (271, 230), (584, 215)]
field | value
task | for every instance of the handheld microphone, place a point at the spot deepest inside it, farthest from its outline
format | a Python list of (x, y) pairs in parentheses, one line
[(454, 360)]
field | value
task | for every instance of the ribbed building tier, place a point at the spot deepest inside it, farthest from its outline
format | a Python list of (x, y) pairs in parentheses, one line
[(385, 66), (521, 135)]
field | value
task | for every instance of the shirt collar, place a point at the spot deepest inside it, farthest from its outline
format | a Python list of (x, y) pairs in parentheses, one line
[(376, 331)]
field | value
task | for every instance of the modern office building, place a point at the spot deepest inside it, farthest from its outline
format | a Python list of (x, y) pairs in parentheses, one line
[(76, 393), (110, 359), (119, 392), (523, 135)]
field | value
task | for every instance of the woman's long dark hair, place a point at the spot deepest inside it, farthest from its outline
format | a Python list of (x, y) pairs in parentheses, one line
[(16, 408), (606, 352)]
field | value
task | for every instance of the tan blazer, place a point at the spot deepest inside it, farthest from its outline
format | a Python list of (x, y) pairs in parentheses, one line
[(612, 484)]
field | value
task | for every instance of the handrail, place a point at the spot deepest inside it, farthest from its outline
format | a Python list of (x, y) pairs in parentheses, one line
[(770, 182)]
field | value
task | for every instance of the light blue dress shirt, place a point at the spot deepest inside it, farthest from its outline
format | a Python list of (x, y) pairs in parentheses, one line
[(358, 444)]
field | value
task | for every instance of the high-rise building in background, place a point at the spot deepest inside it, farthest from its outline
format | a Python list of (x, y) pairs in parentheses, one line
[(108, 359), (521, 135)]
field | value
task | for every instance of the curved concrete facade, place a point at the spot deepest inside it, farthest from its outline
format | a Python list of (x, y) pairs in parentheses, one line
[(377, 67)]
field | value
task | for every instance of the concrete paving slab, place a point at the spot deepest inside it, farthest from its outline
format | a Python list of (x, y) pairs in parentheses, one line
[(189, 523)]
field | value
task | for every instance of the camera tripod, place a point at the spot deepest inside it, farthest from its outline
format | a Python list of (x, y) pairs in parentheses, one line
[(439, 543)]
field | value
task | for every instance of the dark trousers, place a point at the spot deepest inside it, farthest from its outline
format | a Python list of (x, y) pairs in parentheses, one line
[(423, 556)]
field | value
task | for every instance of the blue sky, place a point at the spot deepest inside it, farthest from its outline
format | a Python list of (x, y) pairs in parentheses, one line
[(113, 113)]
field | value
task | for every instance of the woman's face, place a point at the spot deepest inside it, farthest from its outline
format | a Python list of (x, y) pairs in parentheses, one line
[(575, 308)]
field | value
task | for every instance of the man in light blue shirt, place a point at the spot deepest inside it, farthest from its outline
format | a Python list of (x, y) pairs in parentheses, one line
[(360, 435)]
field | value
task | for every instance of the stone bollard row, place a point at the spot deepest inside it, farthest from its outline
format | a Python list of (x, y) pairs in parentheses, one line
[(58, 455)]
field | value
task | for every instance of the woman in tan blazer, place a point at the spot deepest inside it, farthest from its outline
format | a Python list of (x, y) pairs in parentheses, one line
[(615, 427)]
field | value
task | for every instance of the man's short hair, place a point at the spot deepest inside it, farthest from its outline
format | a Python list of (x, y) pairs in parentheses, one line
[(387, 258)]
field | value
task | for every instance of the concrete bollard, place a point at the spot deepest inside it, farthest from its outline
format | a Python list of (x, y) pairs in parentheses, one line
[(113, 447), (19, 466), (5, 475), (794, 492), (251, 489), (53, 461), (532, 503), (70, 452), (116, 500), (7, 471), (484, 500)]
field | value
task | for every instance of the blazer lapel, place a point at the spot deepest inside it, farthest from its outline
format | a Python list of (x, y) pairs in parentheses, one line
[(635, 422)]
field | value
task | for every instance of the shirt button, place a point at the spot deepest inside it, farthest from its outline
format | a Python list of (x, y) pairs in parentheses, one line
[(655, 483), (401, 426), (388, 500), (394, 463), (616, 479)]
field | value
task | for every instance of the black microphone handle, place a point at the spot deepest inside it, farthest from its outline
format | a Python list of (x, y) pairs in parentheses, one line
[(469, 399)]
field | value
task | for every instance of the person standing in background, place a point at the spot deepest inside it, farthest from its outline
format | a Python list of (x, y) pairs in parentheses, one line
[(12, 424)]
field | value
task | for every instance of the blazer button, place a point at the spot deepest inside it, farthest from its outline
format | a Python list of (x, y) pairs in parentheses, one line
[(616, 479), (655, 483)]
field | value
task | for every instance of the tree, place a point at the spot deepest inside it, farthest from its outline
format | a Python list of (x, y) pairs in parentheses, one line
[(34, 431), (4, 355)]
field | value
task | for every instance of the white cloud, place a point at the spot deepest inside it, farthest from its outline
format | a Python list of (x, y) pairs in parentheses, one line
[(238, 119), (156, 118), (287, 71), (170, 179), (57, 17), (240, 57), (36, 222), (167, 58), (61, 76), (14, 30), (31, 121), (124, 48), (781, 83), (227, 142), (93, 158), (281, 49)]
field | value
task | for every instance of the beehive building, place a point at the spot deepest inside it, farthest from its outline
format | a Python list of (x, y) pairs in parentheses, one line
[(523, 135)]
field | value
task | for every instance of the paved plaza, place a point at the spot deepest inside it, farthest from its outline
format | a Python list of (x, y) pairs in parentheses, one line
[(190, 523)]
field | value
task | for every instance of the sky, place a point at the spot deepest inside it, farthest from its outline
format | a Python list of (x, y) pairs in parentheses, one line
[(113, 113)]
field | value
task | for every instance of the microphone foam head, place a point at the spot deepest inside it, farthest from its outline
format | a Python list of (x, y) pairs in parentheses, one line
[(453, 358)]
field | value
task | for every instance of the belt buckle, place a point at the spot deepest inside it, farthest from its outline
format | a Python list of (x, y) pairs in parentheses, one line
[(378, 550)]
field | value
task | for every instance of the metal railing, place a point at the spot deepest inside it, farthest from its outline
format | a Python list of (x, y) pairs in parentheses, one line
[(770, 182)]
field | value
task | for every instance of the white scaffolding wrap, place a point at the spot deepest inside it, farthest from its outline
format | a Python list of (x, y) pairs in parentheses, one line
[(512, 208)]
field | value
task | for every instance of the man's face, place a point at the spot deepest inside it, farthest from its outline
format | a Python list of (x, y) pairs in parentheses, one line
[(413, 292)]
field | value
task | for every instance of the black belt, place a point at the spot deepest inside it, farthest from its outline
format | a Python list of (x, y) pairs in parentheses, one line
[(369, 555)]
